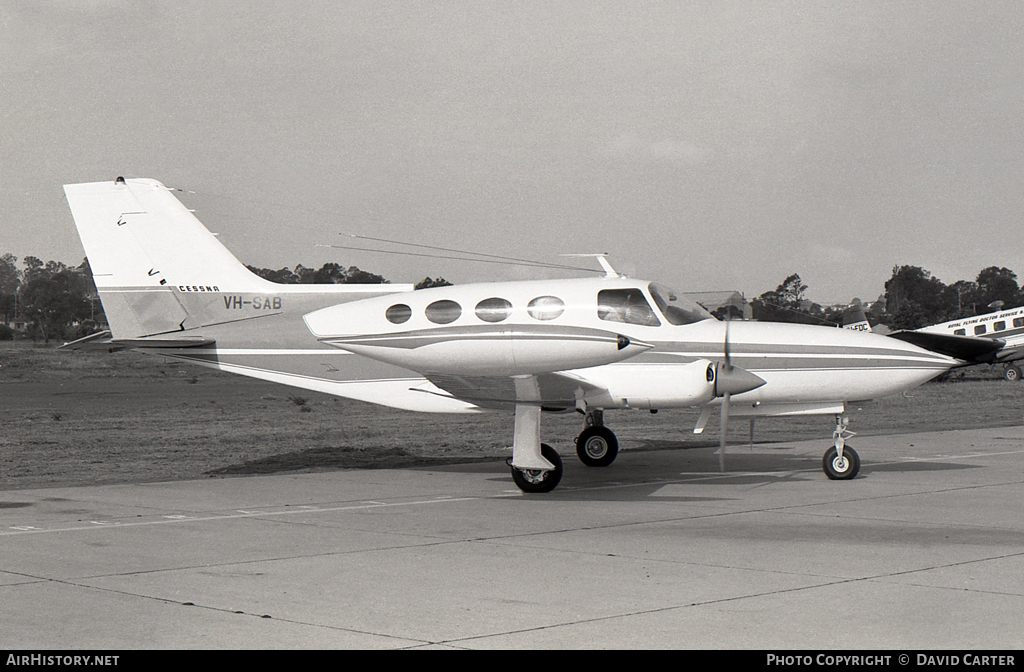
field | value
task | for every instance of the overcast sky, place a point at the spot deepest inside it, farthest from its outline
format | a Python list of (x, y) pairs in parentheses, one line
[(708, 145)]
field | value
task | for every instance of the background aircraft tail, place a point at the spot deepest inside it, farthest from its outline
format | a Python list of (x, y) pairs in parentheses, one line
[(855, 319), (143, 245)]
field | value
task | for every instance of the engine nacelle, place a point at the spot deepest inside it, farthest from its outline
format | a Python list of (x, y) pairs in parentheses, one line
[(667, 385)]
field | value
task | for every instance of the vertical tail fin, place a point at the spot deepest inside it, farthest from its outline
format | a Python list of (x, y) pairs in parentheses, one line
[(141, 242), (854, 317)]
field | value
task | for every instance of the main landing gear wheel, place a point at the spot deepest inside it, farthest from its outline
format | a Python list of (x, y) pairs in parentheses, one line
[(1012, 373), (597, 446), (841, 468), (540, 480)]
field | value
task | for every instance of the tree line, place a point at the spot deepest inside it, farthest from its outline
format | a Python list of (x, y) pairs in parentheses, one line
[(333, 274), (47, 300), (912, 299), (54, 301)]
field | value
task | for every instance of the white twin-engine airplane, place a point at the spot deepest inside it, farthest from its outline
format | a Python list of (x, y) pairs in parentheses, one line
[(589, 345)]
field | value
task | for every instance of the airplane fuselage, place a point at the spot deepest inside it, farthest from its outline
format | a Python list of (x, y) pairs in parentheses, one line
[(625, 344)]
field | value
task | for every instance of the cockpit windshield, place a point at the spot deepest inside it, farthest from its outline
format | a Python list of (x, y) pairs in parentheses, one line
[(676, 309)]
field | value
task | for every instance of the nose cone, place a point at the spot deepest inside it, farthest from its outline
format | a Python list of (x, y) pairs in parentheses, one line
[(891, 354), (918, 365), (887, 365), (805, 363), (734, 380)]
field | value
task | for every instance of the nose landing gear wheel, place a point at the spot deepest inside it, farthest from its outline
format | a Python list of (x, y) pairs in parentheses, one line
[(540, 480), (597, 446), (841, 468)]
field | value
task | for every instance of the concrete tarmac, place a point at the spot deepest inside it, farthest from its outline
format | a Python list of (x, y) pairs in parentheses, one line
[(923, 550)]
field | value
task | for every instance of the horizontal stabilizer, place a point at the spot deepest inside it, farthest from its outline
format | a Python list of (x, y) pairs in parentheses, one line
[(102, 340), (99, 340), (966, 348), (180, 342)]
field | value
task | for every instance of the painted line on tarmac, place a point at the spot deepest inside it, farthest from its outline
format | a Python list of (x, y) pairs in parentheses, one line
[(944, 456), (165, 519)]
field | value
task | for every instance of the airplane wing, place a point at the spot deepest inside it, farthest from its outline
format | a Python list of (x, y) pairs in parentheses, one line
[(967, 348), (558, 391)]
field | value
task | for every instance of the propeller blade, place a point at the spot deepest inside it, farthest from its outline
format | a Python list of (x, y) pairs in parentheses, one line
[(730, 379), (728, 355), (725, 429), (727, 371)]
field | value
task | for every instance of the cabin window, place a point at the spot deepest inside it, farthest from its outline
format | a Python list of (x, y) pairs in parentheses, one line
[(999, 326), (1018, 321), (626, 305), (980, 329), (398, 313), (493, 310), (545, 307), (443, 312), (959, 332)]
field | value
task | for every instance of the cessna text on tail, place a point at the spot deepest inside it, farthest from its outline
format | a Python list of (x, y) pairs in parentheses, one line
[(589, 345)]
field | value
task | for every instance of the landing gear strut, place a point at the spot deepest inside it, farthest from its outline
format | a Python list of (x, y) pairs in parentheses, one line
[(536, 467), (596, 445), (841, 462)]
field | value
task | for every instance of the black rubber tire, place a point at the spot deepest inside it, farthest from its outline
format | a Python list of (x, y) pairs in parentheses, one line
[(537, 481), (597, 446), (1012, 373), (844, 471)]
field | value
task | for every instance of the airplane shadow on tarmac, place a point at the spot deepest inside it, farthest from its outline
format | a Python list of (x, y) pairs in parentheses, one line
[(642, 474), (638, 473)]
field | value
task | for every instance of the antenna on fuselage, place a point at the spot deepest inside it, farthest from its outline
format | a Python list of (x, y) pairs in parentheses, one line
[(602, 258), (479, 257)]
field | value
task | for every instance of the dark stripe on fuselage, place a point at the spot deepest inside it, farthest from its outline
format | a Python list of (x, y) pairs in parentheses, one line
[(777, 357), (416, 338)]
